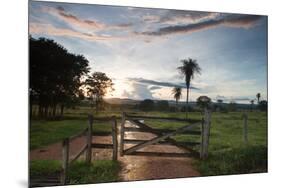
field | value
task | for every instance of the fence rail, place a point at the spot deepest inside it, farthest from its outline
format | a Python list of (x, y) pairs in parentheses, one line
[(88, 147), (163, 136)]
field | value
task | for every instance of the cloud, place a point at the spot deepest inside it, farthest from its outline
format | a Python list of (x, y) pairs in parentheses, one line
[(181, 16), (48, 29), (154, 88), (244, 21), (139, 91), (74, 20), (156, 83)]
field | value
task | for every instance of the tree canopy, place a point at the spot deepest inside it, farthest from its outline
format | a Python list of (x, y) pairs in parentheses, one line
[(55, 75)]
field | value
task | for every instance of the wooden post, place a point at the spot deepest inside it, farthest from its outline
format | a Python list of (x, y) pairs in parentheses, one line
[(245, 128), (205, 134), (89, 140), (202, 138), (114, 139), (122, 133), (65, 160)]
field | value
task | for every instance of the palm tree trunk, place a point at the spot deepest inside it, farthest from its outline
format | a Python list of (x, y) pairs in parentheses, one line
[(187, 93)]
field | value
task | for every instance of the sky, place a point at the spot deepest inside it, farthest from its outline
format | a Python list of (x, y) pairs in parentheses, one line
[(141, 48)]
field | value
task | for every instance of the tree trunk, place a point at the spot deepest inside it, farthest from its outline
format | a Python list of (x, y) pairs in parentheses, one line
[(54, 110), (46, 111), (30, 110), (40, 111), (187, 93), (61, 110)]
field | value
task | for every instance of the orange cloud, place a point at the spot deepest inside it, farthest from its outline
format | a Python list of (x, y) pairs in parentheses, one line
[(48, 29)]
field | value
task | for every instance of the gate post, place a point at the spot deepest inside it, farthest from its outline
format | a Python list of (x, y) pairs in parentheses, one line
[(114, 139), (122, 133), (65, 159), (89, 140), (205, 134)]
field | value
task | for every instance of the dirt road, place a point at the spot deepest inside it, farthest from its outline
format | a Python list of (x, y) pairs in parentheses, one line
[(133, 167)]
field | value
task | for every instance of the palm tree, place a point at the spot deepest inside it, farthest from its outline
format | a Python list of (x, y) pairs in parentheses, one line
[(177, 94), (188, 69), (252, 104), (258, 97)]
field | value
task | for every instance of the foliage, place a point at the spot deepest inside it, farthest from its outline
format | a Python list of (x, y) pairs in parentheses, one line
[(232, 106), (99, 171), (177, 92), (44, 167), (242, 160), (188, 69), (258, 97), (162, 105), (43, 132), (79, 172), (203, 102), (55, 75), (263, 105), (147, 105), (97, 86)]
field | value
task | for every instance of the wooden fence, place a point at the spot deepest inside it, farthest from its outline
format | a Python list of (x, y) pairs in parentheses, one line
[(88, 147), (163, 136)]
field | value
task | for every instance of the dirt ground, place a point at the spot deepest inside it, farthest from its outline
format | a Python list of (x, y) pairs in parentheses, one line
[(133, 167)]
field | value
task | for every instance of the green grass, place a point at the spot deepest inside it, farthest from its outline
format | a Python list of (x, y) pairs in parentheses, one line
[(227, 151), (43, 132), (44, 167), (79, 172), (247, 159)]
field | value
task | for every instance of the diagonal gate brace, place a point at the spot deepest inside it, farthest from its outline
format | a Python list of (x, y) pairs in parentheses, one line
[(159, 133), (157, 139)]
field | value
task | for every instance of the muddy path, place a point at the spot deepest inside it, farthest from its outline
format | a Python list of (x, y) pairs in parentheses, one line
[(148, 167), (133, 167)]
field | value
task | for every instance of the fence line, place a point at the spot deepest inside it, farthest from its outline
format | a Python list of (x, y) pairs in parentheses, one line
[(66, 161)]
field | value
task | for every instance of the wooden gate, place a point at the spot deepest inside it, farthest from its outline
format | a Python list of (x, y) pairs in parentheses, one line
[(163, 136)]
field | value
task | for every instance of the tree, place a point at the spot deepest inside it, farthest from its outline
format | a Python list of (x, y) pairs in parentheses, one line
[(258, 97), (55, 75), (177, 94), (252, 104), (162, 105), (147, 105), (97, 86), (203, 102), (263, 105), (188, 69), (232, 106)]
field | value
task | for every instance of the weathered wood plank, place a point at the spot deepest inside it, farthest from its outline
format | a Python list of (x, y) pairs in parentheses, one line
[(161, 154), (171, 140), (156, 139), (104, 146), (122, 133), (133, 129), (78, 154), (162, 118), (65, 160), (164, 142), (89, 140), (114, 139), (206, 134)]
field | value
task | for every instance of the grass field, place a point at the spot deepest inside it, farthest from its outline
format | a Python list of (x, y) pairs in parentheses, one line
[(79, 172), (227, 152)]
